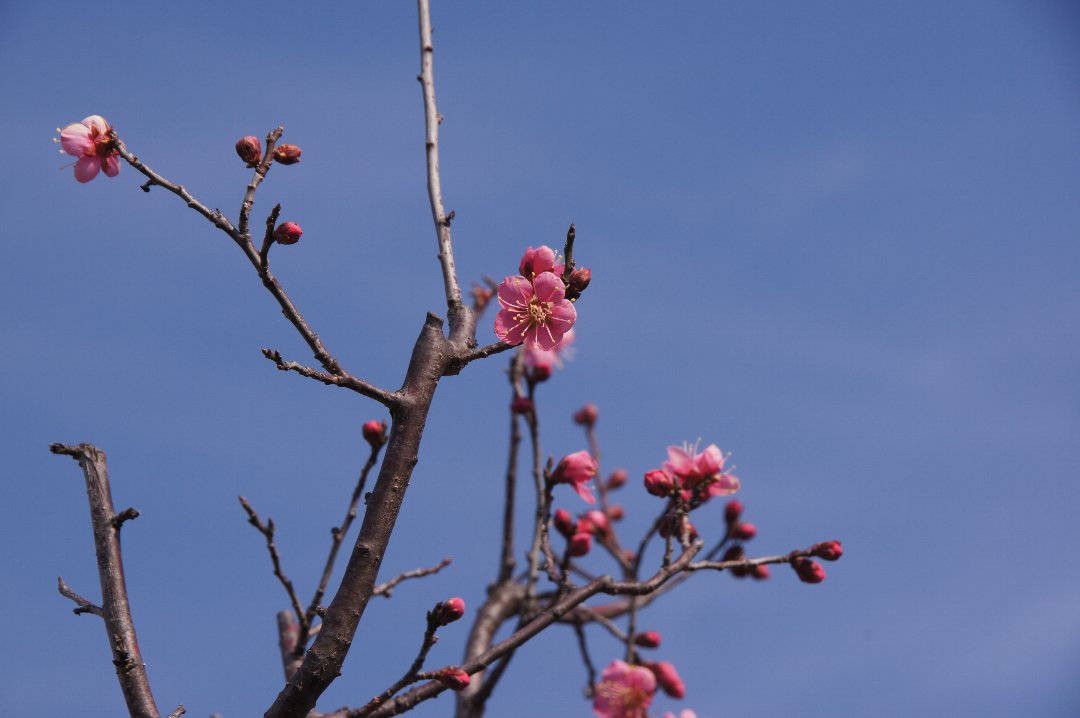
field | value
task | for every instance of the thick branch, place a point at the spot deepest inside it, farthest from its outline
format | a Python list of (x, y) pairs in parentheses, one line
[(130, 669)]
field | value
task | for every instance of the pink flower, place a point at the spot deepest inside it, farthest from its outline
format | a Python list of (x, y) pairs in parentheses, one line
[(705, 468), (89, 141), (542, 362), (668, 679), (453, 678), (448, 611), (576, 469), (536, 261), (624, 691), (686, 713), (535, 312)]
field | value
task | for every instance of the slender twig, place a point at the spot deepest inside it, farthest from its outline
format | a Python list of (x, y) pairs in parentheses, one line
[(268, 237), (506, 559), (589, 668), (481, 353), (180, 710), (412, 675), (384, 589), (84, 605), (267, 530), (257, 177), (115, 609)]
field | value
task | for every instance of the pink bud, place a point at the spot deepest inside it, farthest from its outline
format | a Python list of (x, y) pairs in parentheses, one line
[(658, 483), (564, 524), (249, 150), (759, 571), (647, 639), (736, 553), (828, 550), (595, 522), (448, 611), (453, 678), (579, 280), (521, 405), (733, 511), (576, 469), (808, 571), (287, 233), (618, 478), (579, 544), (539, 373), (668, 679), (287, 154), (586, 415), (375, 433), (744, 531), (615, 512)]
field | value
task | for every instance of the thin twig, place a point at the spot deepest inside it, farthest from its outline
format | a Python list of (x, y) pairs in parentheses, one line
[(180, 710), (384, 589), (257, 178), (584, 648), (267, 530), (412, 675), (84, 605), (115, 609), (506, 559)]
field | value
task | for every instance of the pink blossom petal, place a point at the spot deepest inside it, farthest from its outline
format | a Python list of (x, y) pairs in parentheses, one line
[(710, 461), (87, 168), (548, 288), (75, 139), (583, 491), (96, 122), (515, 292), (726, 484), (679, 461), (563, 315), (508, 328), (111, 165)]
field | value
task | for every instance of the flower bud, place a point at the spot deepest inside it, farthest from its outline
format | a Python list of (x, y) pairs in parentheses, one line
[(287, 154), (579, 544), (481, 297), (668, 679), (375, 433), (594, 522), (287, 233), (828, 550), (249, 150), (539, 373), (448, 611), (586, 415), (736, 553), (744, 531), (453, 678), (808, 571), (658, 483), (564, 524), (618, 478), (647, 639), (615, 512), (521, 405), (759, 572), (578, 281), (733, 511)]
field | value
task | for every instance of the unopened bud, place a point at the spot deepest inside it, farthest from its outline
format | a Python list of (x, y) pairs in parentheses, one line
[(539, 373), (521, 405), (618, 478), (744, 531), (658, 483), (733, 511), (594, 522), (375, 433), (287, 154), (448, 611), (564, 524), (615, 512), (736, 553), (647, 639), (668, 679), (759, 571), (249, 150), (579, 544), (453, 678), (828, 550), (287, 233), (578, 281), (808, 571), (586, 415)]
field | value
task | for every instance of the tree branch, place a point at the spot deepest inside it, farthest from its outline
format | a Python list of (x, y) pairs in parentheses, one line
[(267, 530), (385, 589), (130, 669)]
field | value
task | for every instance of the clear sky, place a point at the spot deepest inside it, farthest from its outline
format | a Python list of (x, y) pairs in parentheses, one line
[(838, 239)]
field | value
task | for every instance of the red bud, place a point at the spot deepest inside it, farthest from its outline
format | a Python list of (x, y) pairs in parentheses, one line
[(375, 433), (618, 478), (287, 154), (249, 150), (449, 611), (828, 550), (647, 639), (287, 233), (453, 678), (586, 415), (733, 511), (808, 571), (744, 531)]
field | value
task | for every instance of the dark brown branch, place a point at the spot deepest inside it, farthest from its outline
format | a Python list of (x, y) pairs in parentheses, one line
[(385, 589), (483, 352), (268, 236), (84, 605), (115, 609), (506, 559), (267, 530), (257, 178), (579, 631), (344, 379)]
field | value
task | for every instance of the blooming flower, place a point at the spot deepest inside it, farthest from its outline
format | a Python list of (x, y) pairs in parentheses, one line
[(624, 691), (698, 469), (535, 312), (576, 469), (89, 141), (536, 261)]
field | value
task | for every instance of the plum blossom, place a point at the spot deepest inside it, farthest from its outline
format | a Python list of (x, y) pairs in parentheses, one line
[(700, 469), (576, 469), (624, 691), (534, 312), (89, 141), (539, 260), (550, 359)]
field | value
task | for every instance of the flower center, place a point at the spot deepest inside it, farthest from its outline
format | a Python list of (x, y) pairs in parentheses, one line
[(539, 311)]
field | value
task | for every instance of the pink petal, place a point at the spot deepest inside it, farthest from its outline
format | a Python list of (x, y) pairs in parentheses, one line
[(515, 292), (87, 168), (583, 491), (508, 329), (710, 461), (96, 122), (679, 461), (548, 287), (111, 165), (563, 316), (75, 139), (543, 336), (725, 485)]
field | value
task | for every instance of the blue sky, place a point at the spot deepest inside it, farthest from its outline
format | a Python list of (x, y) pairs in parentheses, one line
[(838, 240)]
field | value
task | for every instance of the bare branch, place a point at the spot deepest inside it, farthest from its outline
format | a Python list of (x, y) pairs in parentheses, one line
[(130, 669), (384, 589), (180, 710), (84, 605), (483, 352), (267, 530), (257, 178), (412, 675)]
